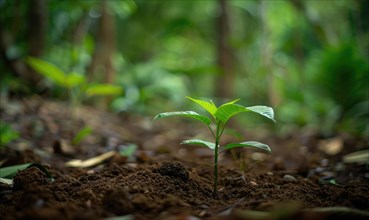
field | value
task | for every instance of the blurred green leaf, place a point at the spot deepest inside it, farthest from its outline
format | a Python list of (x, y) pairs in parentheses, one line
[(361, 156), (7, 134), (11, 171), (48, 70), (74, 79), (129, 150), (103, 89), (84, 132)]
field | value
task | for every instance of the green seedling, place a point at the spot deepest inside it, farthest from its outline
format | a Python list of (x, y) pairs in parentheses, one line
[(221, 116), (128, 151)]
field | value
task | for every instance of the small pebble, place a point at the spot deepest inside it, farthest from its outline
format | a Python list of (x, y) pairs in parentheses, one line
[(311, 173), (253, 183), (339, 167), (303, 150), (324, 162), (289, 178), (39, 203), (319, 169), (328, 175)]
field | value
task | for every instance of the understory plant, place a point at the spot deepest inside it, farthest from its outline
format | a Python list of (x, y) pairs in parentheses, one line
[(75, 84), (220, 117)]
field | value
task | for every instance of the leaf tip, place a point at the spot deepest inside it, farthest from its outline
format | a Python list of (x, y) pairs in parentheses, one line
[(157, 117)]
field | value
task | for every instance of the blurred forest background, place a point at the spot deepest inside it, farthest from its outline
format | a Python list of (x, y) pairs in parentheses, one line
[(307, 59)]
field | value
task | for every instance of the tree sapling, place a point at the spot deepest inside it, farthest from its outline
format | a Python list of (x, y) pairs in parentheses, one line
[(221, 115)]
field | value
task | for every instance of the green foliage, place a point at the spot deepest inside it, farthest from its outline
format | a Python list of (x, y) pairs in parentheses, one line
[(7, 134), (248, 144), (71, 81), (148, 87), (128, 151), (336, 97), (82, 134), (54, 74), (272, 61), (208, 106), (208, 144), (9, 172), (228, 110), (103, 89), (343, 75), (221, 116), (190, 114)]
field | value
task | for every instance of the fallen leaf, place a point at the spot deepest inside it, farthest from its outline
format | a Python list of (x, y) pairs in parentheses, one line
[(90, 162), (357, 157), (6, 181), (331, 146)]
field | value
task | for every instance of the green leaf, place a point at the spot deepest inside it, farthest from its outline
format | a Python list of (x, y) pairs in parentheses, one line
[(226, 111), (85, 131), (334, 182), (103, 89), (48, 70), (232, 102), (200, 142), (7, 134), (129, 150), (9, 172), (190, 114), (263, 110), (360, 157), (248, 144), (208, 106), (74, 79)]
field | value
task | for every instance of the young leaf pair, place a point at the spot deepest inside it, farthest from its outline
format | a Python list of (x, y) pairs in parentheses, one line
[(221, 116)]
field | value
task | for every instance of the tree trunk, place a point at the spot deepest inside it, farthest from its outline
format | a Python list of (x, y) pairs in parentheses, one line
[(101, 68), (225, 79), (37, 24), (102, 62), (35, 37), (37, 27), (274, 96)]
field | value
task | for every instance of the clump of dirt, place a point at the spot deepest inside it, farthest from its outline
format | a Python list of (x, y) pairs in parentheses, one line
[(174, 169), (118, 201), (30, 178), (164, 190)]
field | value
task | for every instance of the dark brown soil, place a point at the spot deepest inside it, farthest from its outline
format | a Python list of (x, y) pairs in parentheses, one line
[(162, 182)]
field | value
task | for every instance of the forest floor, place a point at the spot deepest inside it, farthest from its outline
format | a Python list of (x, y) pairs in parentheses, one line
[(138, 170)]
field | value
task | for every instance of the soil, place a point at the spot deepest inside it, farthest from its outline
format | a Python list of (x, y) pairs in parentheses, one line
[(163, 180)]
